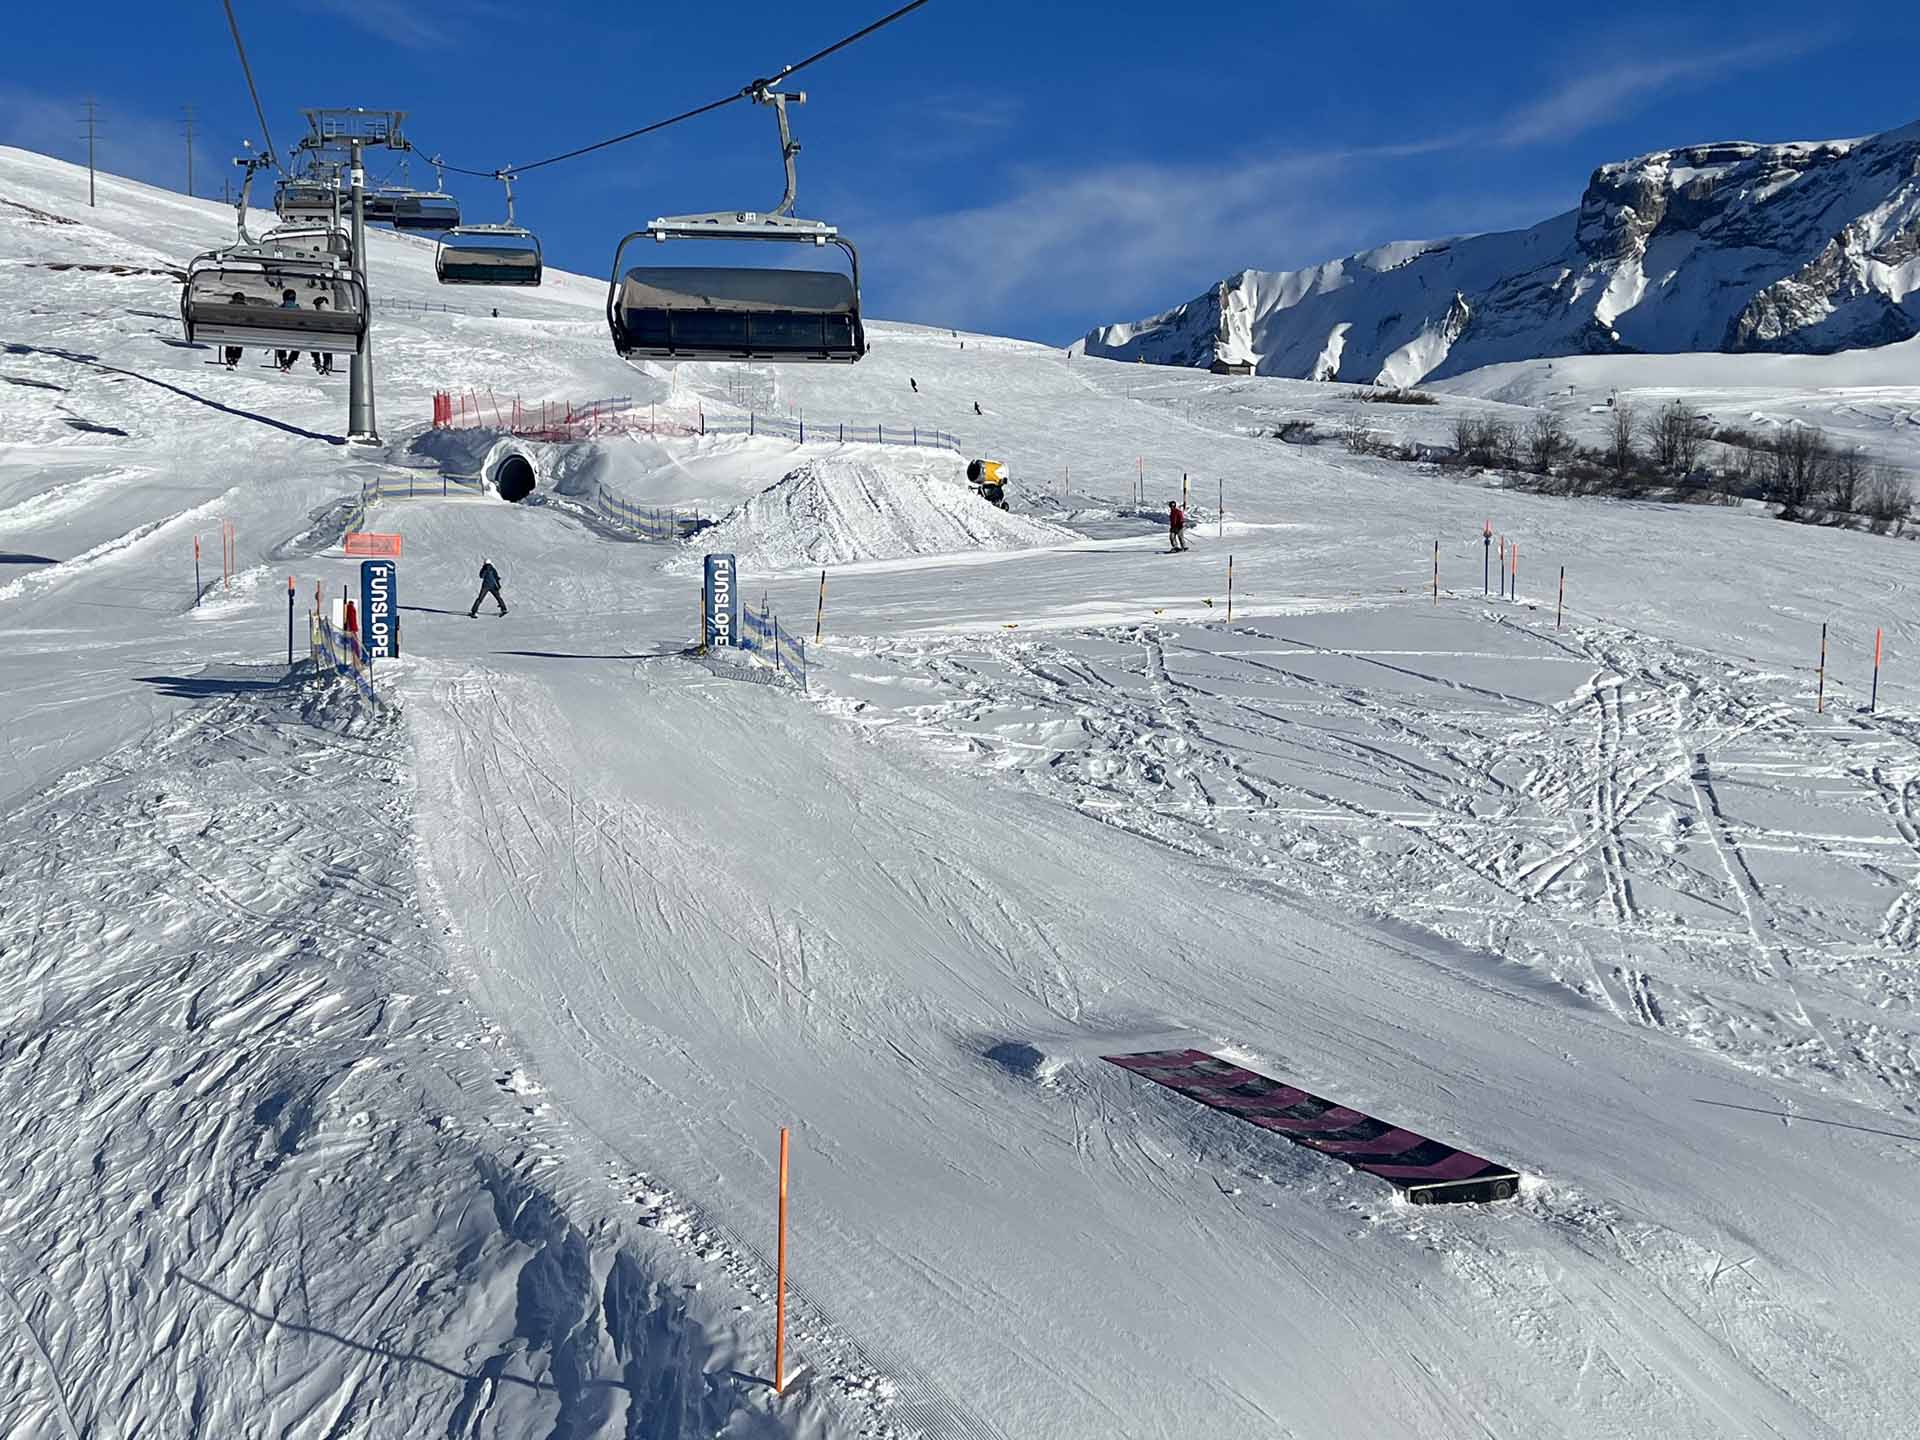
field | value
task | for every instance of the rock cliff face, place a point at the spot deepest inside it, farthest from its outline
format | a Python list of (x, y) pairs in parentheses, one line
[(1806, 248)]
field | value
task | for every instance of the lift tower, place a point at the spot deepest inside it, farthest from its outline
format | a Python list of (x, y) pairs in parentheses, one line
[(356, 131)]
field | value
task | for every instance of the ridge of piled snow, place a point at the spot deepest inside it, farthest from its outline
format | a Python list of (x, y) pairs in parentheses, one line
[(841, 509)]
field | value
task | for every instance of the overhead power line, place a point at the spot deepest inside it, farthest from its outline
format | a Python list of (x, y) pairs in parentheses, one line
[(266, 134), (746, 92)]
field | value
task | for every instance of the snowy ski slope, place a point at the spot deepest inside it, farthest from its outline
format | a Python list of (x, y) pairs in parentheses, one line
[(417, 1072)]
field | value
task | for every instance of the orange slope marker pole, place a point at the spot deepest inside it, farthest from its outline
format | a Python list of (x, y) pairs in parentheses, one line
[(1873, 700), (780, 1284), (820, 610), (196, 572)]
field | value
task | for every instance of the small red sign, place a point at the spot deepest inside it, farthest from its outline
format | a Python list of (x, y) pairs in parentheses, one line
[(371, 542)]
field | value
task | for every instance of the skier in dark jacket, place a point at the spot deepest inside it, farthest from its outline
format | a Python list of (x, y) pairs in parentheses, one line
[(489, 585), (1176, 527)]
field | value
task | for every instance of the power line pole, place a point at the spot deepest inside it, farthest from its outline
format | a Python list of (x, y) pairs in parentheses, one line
[(90, 134), (189, 110)]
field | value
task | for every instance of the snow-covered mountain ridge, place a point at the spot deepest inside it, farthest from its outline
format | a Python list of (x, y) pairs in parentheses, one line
[(1804, 248)]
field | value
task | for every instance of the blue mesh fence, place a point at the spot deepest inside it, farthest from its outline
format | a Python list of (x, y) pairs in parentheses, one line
[(798, 429), (762, 634), (650, 522), (340, 653)]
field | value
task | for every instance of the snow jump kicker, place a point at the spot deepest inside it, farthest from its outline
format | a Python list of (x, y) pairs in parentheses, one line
[(1427, 1171)]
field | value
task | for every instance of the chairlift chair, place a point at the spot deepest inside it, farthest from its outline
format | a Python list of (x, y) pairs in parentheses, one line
[(505, 254), (425, 210), (740, 313), (378, 207), (235, 298), (309, 240), (299, 199)]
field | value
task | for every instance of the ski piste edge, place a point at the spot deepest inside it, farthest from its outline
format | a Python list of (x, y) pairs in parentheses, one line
[(1427, 1172)]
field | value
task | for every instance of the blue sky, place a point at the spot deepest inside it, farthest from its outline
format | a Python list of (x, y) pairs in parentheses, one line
[(1028, 168)]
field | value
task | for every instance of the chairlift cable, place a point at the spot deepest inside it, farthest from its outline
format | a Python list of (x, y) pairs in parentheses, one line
[(745, 93), (247, 68)]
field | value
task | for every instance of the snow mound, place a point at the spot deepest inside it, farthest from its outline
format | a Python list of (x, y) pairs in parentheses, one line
[(837, 511)]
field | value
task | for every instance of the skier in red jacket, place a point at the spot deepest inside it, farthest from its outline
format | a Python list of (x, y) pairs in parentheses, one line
[(1176, 527)]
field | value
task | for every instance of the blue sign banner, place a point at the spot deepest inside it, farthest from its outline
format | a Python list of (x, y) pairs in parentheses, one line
[(722, 602), (379, 609)]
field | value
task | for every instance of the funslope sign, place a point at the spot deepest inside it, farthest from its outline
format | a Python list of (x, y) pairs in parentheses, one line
[(722, 607), (379, 609)]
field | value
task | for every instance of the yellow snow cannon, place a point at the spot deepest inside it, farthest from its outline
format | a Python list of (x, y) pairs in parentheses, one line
[(990, 478)]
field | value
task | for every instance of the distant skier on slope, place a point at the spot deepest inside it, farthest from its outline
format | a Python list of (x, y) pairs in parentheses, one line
[(489, 585), (914, 383), (1176, 527), (976, 407)]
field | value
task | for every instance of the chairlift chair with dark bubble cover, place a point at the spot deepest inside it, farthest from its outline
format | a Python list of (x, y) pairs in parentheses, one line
[(505, 254), (425, 210), (742, 312)]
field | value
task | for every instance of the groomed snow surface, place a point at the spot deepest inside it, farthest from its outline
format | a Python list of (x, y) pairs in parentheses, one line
[(416, 1070)]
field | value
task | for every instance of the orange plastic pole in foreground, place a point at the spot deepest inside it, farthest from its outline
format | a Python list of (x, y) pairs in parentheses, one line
[(1873, 700), (780, 1284), (820, 611)]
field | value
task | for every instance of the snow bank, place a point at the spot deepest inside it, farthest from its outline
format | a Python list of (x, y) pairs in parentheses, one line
[(839, 510)]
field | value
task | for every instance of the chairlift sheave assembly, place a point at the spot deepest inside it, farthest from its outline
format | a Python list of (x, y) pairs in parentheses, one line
[(740, 313), (505, 254)]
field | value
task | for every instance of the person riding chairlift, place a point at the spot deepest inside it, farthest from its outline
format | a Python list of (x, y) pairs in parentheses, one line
[(322, 360), (288, 301), (232, 353)]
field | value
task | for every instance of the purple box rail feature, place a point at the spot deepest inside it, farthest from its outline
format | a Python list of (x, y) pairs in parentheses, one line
[(1431, 1173)]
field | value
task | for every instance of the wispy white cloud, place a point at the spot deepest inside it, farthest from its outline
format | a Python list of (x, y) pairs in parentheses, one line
[(1595, 97), (1107, 236), (415, 24)]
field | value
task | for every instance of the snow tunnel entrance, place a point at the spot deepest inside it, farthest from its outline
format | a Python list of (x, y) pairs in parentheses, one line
[(513, 478)]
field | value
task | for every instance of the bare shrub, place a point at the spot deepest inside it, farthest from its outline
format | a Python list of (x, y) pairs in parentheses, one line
[(1796, 469), (1887, 499), (1547, 442), (1847, 474), (1622, 455), (1357, 435), (1678, 433)]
